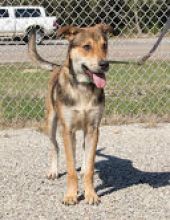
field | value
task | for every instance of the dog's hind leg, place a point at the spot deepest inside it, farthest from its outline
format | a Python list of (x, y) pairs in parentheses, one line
[(52, 128)]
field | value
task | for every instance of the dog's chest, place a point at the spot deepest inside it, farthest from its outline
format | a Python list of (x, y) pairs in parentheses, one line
[(79, 117), (85, 111)]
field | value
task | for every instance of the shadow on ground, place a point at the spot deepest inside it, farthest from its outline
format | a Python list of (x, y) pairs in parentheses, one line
[(116, 173)]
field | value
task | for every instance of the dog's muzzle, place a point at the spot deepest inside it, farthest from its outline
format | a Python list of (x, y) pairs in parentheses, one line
[(98, 79)]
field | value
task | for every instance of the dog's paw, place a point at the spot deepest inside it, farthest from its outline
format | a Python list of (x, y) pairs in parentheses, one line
[(70, 200), (92, 198), (52, 175)]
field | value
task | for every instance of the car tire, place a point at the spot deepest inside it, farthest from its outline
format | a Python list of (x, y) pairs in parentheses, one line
[(39, 36)]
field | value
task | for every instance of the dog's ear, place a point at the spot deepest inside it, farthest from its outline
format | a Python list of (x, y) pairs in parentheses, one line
[(105, 28), (68, 32)]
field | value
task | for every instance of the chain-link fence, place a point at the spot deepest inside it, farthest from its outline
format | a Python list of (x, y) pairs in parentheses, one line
[(133, 93)]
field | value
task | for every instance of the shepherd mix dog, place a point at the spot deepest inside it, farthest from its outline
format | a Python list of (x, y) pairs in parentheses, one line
[(75, 101)]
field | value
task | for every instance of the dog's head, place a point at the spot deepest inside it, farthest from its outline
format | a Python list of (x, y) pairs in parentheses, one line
[(88, 51)]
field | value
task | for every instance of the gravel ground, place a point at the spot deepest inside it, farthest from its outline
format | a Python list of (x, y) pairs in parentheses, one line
[(132, 176)]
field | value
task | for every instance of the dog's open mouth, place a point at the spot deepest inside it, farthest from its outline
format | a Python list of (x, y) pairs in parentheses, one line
[(98, 79)]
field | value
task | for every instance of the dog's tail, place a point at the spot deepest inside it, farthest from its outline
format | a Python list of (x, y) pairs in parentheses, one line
[(35, 57)]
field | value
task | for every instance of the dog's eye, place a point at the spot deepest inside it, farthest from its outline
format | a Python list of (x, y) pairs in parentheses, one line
[(87, 47)]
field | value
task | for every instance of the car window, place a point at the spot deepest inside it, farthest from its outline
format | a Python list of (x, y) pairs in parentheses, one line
[(4, 13), (26, 13)]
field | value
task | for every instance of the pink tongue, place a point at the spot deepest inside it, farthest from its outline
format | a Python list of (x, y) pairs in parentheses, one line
[(100, 82)]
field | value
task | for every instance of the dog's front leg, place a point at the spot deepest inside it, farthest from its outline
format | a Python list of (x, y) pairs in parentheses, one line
[(91, 140), (70, 197)]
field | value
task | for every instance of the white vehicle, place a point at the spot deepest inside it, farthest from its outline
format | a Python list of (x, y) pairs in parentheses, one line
[(16, 21)]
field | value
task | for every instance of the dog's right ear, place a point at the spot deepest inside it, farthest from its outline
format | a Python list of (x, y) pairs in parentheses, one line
[(68, 32)]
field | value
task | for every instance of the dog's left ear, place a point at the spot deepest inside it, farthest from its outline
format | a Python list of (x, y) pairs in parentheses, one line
[(68, 32), (105, 28)]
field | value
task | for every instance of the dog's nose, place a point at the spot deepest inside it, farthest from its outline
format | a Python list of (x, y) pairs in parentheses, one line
[(104, 64)]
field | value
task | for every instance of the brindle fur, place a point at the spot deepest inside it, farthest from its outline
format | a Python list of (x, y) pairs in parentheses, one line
[(74, 104)]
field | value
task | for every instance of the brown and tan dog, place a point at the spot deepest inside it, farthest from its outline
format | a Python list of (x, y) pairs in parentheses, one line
[(76, 101)]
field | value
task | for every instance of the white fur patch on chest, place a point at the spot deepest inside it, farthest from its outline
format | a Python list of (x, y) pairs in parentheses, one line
[(78, 117)]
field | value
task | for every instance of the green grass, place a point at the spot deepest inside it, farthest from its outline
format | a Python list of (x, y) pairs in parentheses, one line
[(135, 90), (23, 108), (22, 92), (131, 91)]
